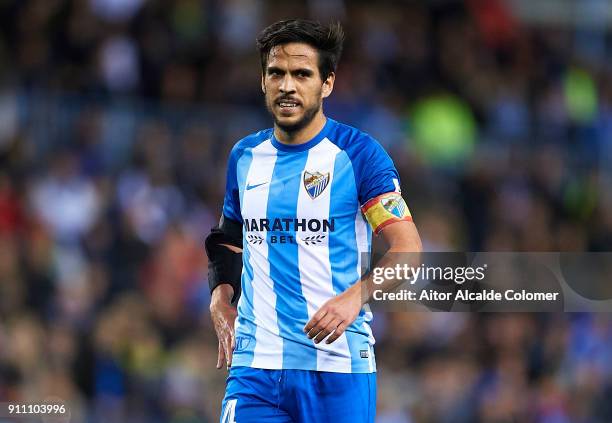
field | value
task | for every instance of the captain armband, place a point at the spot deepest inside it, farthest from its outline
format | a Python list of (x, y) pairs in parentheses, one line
[(385, 209), (224, 265)]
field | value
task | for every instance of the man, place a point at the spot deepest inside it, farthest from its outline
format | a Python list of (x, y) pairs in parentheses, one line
[(298, 201)]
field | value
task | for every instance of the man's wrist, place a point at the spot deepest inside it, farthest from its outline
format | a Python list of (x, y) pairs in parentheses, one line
[(360, 290), (222, 295)]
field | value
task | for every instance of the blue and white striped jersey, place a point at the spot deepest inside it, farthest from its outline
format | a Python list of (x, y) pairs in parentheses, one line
[(303, 236)]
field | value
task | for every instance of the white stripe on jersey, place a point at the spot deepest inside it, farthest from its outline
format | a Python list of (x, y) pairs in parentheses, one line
[(317, 283), (268, 351)]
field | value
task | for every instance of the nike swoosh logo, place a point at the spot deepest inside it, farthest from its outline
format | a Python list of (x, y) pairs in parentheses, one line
[(249, 186)]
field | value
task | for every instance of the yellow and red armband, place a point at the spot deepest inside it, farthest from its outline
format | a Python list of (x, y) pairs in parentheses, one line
[(385, 209)]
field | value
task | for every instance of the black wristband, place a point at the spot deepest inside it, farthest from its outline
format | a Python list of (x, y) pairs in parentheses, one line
[(224, 265)]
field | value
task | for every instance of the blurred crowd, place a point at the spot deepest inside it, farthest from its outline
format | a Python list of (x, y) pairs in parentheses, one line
[(116, 118)]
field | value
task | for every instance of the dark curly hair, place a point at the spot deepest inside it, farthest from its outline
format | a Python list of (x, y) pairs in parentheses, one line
[(328, 41)]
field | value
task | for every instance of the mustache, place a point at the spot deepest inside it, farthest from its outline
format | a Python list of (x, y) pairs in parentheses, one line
[(287, 98)]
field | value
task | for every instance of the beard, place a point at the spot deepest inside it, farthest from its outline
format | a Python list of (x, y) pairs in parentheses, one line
[(292, 128)]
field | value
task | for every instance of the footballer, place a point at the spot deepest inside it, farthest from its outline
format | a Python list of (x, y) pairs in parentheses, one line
[(302, 200)]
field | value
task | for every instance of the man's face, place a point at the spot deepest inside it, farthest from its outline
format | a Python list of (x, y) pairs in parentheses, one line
[(292, 85)]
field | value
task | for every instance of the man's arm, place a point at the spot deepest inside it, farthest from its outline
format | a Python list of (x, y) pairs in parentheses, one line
[(223, 247), (402, 237), (342, 310)]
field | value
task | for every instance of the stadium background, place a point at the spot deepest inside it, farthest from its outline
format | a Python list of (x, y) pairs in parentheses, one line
[(116, 117)]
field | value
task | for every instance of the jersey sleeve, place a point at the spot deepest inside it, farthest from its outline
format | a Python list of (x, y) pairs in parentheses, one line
[(379, 188), (376, 172), (231, 201)]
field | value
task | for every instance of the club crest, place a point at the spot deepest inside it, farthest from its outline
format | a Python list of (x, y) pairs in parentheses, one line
[(394, 205), (315, 183)]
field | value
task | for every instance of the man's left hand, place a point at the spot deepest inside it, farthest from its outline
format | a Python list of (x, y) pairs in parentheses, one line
[(335, 316)]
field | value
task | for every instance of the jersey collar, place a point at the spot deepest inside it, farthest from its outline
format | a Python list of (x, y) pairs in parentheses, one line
[(304, 146)]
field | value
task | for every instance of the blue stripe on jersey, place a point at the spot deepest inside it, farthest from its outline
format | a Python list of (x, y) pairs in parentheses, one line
[(341, 242), (291, 307), (245, 306)]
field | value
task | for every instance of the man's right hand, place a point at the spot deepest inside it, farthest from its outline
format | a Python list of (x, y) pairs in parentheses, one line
[(223, 315)]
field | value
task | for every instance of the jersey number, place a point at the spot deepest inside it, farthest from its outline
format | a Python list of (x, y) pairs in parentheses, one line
[(229, 414)]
